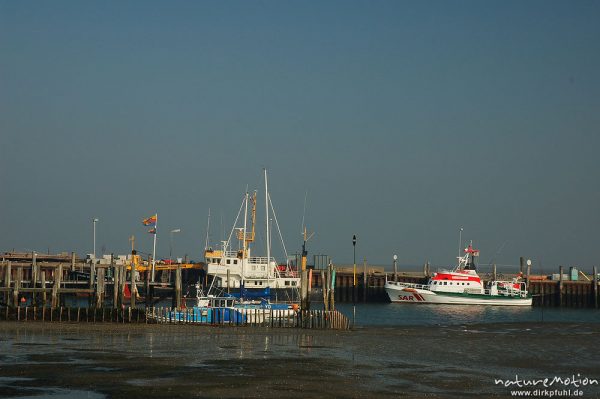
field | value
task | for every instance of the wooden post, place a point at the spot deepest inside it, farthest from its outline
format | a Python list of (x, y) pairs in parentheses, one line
[(324, 289), (18, 282), (7, 282), (595, 287), (115, 285), (43, 285), (72, 261), (303, 289), (560, 285), (332, 287), (92, 279), (494, 273), (133, 285), (34, 277), (365, 280), (528, 272), (56, 286), (100, 287), (147, 287), (122, 281), (178, 285)]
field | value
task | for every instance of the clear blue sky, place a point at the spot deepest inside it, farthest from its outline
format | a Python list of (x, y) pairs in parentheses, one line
[(402, 120)]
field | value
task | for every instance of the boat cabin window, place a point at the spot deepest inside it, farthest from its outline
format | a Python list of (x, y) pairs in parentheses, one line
[(228, 261), (287, 283), (235, 261), (293, 283), (262, 268), (445, 283)]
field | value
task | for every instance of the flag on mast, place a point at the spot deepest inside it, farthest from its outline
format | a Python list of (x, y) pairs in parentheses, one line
[(152, 230), (151, 221)]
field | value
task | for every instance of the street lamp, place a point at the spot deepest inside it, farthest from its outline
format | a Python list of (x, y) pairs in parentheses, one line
[(460, 242), (171, 246), (395, 268), (354, 292), (354, 247), (94, 221)]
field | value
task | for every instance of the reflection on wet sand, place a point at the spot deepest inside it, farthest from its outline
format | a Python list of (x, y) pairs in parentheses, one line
[(183, 361)]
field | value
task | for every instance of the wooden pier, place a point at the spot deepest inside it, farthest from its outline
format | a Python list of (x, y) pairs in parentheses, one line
[(270, 318), (47, 280)]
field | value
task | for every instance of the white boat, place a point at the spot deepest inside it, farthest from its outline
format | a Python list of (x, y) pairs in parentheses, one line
[(461, 286), (237, 270)]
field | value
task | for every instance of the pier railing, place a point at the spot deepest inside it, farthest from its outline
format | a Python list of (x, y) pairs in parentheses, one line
[(271, 318)]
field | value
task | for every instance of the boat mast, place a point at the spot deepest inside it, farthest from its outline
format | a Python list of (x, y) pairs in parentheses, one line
[(267, 224), (244, 236), (207, 231)]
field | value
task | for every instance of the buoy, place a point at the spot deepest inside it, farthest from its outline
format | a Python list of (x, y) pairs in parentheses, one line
[(23, 300)]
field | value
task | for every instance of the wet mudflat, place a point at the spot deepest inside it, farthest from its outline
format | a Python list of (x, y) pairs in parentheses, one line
[(128, 361)]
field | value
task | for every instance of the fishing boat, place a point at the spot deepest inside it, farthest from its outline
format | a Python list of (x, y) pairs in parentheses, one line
[(462, 285), (238, 272), (244, 288)]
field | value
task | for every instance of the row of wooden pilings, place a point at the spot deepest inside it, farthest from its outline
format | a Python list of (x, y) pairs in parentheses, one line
[(38, 280), (273, 318)]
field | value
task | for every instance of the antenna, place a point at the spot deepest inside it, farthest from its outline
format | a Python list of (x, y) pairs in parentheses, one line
[(303, 231), (206, 243)]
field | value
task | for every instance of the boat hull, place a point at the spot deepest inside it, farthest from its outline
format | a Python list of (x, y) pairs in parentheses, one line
[(399, 294)]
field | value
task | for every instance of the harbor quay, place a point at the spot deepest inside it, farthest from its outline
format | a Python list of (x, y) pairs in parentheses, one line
[(30, 279)]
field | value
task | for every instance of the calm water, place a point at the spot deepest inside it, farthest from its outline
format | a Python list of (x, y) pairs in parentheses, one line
[(414, 315)]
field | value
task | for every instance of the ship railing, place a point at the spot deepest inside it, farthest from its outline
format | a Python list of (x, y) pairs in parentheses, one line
[(410, 285), (259, 260)]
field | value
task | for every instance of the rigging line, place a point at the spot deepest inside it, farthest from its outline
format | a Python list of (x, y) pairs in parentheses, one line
[(304, 211), (278, 229), (283, 245), (207, 232), (234, 224)]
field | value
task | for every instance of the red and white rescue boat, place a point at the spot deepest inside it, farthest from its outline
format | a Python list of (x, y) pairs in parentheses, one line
[(461, 286)]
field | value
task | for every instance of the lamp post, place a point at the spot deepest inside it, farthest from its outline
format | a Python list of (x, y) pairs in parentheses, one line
[(354, 291), (460, 241), (354, 269), (395, 268), (171, 241), (94, 221)]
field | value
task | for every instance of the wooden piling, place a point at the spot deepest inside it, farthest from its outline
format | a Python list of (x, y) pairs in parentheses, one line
[(56, 286), (494, 274), (132, 286), (43, 285), (304, 289), (17, 286), (324, 289), (92, 280), (34, 277), (595, 287), (178, 285), (365, 280), (7, 278), (115, 285), (100, 287), (560, 285), (121, 286)]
